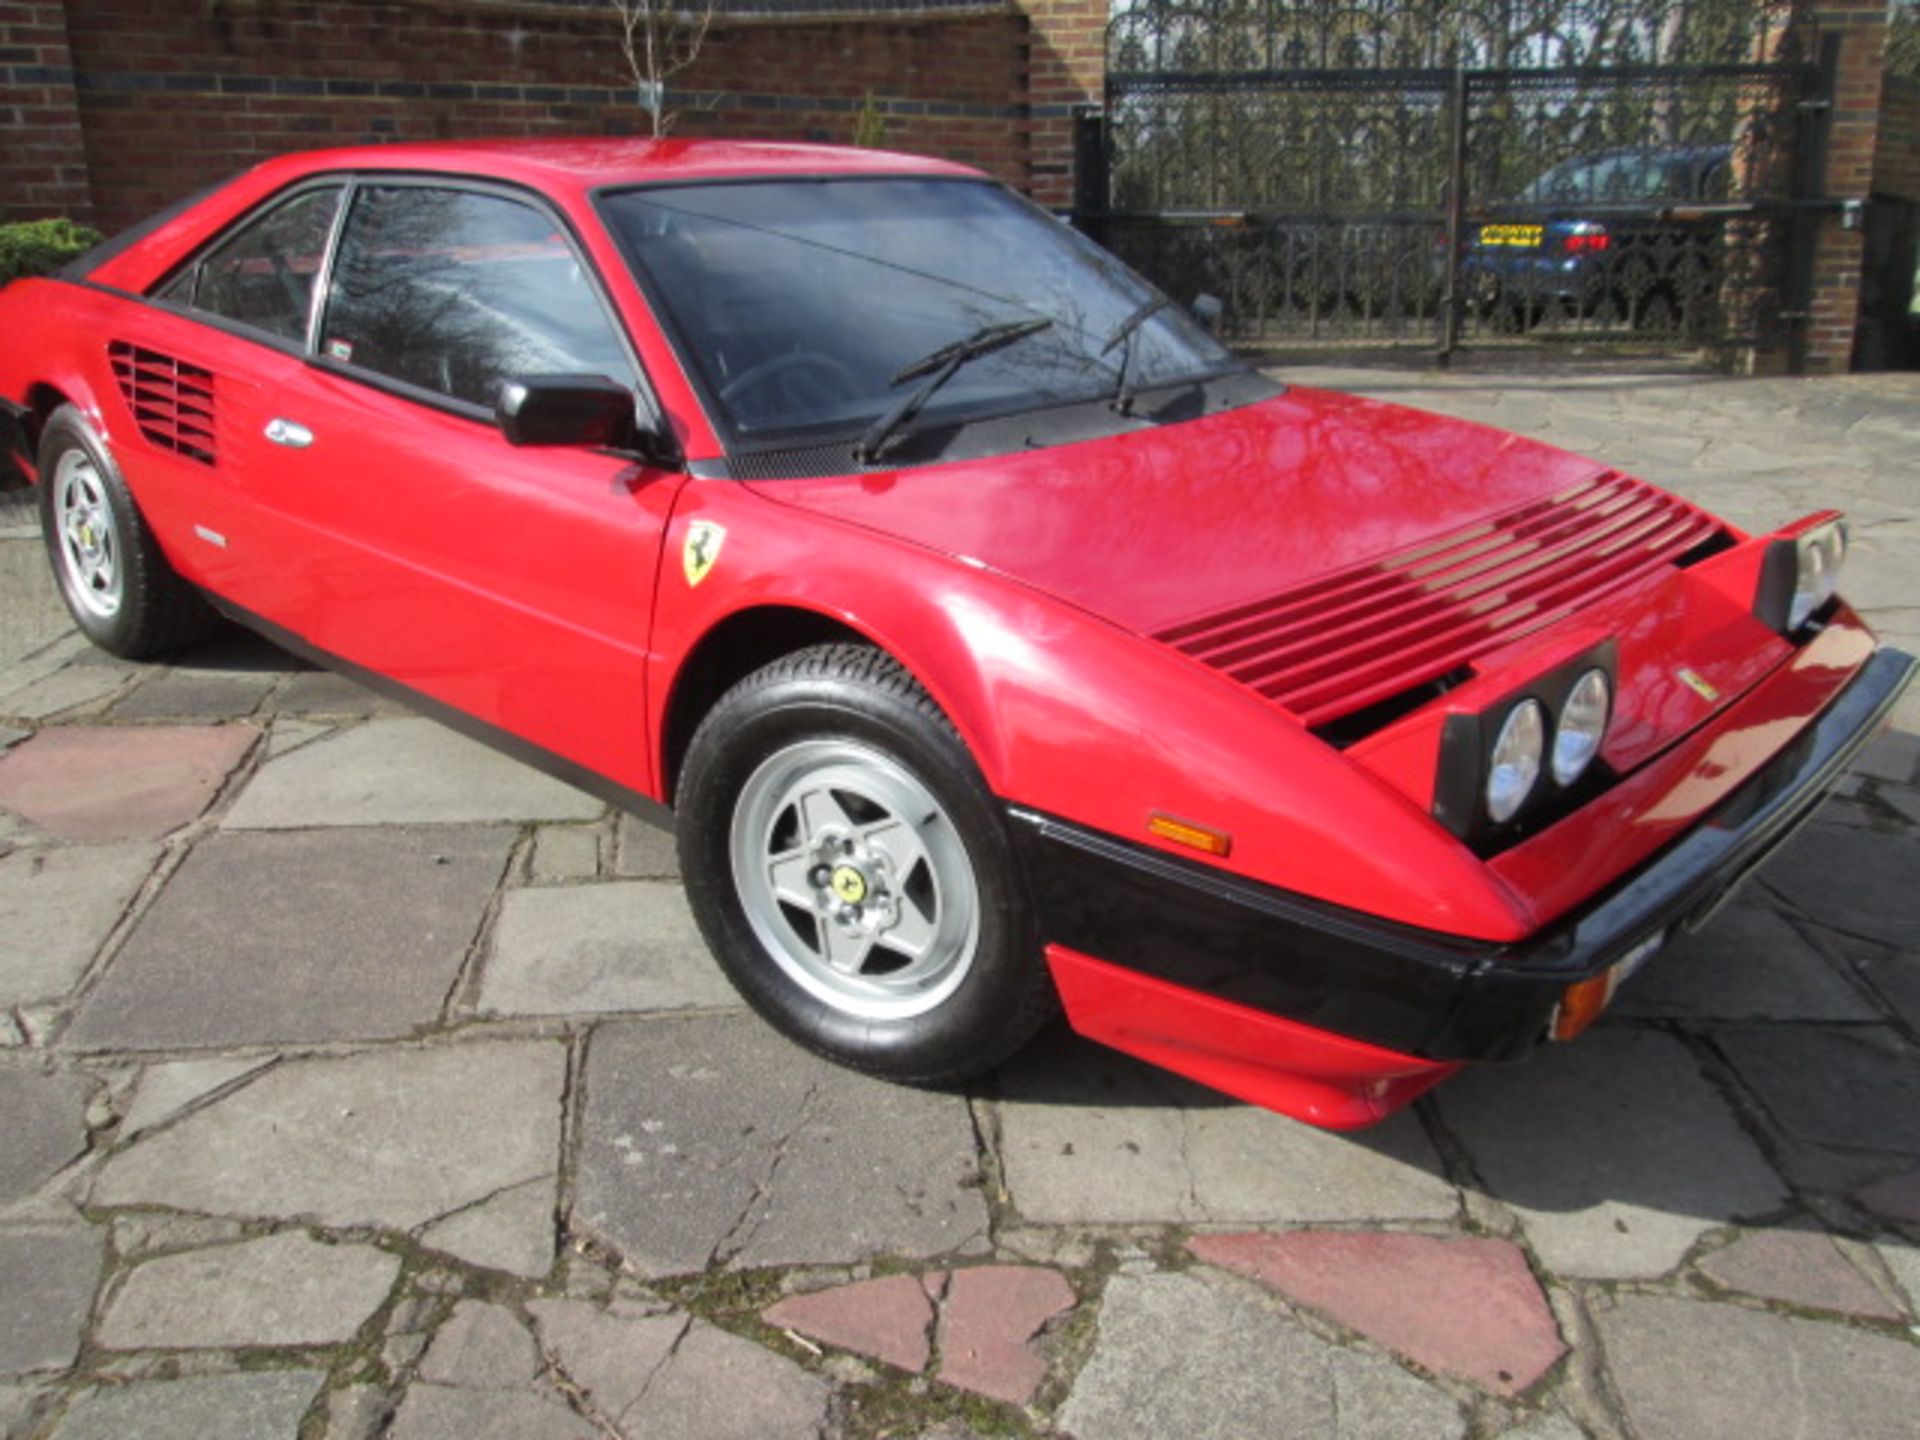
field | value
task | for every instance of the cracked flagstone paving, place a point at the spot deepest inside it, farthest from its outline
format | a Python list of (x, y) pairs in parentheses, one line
[(359, 1084)]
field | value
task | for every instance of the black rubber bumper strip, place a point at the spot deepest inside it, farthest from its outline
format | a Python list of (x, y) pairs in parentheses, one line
[(1417, 991)]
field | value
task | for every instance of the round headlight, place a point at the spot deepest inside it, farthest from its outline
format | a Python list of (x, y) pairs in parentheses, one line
[(1583, 724), (1515, 764)]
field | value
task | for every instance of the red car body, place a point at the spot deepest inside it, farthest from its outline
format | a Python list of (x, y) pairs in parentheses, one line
[(1153, 643)]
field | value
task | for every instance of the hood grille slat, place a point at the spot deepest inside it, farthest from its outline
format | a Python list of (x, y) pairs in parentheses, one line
[(1340, 643)]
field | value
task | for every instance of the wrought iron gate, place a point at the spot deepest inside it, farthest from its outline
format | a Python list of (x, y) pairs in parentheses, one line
[(1487, 171)]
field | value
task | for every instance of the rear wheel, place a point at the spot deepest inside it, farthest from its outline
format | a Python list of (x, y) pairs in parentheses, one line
[(117, 585), (849, 868)]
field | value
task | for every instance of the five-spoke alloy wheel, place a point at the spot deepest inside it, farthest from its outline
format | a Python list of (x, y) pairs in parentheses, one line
[(849, 868)]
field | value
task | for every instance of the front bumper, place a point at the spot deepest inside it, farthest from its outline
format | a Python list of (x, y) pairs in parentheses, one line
[(1418, 1000)]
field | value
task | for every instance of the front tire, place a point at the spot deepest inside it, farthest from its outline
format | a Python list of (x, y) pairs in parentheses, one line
[(115, 581), (850, 870)]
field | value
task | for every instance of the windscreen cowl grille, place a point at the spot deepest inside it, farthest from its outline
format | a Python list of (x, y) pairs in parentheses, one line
[(171, 400), (1341, 643)]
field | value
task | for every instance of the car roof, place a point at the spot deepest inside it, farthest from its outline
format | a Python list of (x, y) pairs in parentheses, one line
[(587, 163)]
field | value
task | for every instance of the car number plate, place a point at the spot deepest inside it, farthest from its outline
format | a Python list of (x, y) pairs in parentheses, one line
[(1518, 236)]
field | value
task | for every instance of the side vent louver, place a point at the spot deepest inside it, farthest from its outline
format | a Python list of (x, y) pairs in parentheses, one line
[(171, 401)]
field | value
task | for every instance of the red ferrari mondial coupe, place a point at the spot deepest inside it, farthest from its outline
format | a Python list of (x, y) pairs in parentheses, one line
[(996, 640)]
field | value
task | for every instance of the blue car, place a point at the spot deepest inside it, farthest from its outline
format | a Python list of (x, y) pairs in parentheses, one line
[(1595, 237)]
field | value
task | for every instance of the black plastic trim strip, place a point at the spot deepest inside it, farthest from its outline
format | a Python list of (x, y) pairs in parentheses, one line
[(643, 807), (1424, 992)]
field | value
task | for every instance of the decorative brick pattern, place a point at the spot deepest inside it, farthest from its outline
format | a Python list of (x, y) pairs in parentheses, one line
[(175, 97), (1066, 71), (43, 158), (1855, 123)]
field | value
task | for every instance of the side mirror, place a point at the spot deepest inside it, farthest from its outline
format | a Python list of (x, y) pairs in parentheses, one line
[(566, 410), (1208, 309)]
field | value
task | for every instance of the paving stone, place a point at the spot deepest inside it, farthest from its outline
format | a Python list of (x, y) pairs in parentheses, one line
[(578, 949), (1545, 1427), (1852, 1088), (57, 907), (392, 1138), (69, 689), (671, 1376), (1894, 756), (12, 735), (512, 1231), (1860, 881), (45, 1127), (285, 734), (195, 694), (1895, 1198), (1092, 1137), (1615, 1152), (889, 1319), (316, 935), (1464, 1307), (47, 1278), (1800, 1267), (717, 1386), (644, 851), (1749, 964), (324, 692), (991, 1321), (563, 853), (97, 782), (22, 1406), (1892, 972), (712, 1137), (170, 1086), (482, 1347), (1685, 1369), (437, 1412), (255, 1405), (280, 1290), (1904, 1262), (396, 772), (1239, 1368)]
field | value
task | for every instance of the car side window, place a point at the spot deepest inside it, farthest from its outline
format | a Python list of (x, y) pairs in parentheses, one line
[(455, 291), (264, 275)]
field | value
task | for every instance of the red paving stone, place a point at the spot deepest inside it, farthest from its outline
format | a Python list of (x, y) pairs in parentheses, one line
[(1801, 1267), (887, 1319), (120, 782), (1468, 1308), (1896, 1198), (990, 1325)]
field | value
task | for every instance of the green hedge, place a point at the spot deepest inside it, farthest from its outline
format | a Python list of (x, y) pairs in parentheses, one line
[(34, 247)]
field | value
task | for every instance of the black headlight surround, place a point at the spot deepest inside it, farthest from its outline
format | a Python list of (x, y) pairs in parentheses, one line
[(1466, 756), (1780, 579)]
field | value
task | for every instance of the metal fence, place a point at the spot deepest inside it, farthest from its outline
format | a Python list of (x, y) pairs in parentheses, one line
[(1641, 190)]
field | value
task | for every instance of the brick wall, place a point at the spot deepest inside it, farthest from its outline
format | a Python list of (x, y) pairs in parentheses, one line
[(1835, 309), (43, 162), (173, 96), (1067, 71), (1896, 162)]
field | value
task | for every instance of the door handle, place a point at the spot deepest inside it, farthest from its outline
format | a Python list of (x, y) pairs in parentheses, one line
[(286, 432)]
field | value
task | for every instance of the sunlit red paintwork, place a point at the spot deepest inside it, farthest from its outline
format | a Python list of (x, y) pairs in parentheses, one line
[(539, 591)]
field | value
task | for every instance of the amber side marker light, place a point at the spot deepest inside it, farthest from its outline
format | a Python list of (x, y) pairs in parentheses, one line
[(1194, 837), (1584, 1001)]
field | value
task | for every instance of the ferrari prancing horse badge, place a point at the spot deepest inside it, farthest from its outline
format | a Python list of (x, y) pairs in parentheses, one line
[(704, 539)]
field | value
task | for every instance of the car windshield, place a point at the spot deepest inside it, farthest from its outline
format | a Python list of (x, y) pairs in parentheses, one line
[(799, 303)]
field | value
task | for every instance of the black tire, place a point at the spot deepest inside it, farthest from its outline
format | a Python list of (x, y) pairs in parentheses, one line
[(851, 723), (115, 581)]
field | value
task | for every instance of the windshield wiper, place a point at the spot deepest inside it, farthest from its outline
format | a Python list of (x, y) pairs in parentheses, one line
[(1123, 394), (940, 366)]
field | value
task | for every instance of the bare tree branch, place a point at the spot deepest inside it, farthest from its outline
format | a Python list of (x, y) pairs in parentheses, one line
[(659, 40)]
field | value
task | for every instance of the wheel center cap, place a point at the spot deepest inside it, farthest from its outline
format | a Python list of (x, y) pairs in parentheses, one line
[(849, 884)]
